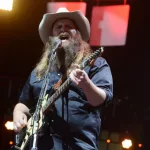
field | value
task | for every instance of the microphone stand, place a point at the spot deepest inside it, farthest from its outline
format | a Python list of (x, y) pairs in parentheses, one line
[(36, 116)]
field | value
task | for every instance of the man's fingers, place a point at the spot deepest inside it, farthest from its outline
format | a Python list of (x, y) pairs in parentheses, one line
[(73, 77), (24, 120), (75, 66), (15, 128), (80, 74), (19, 125)]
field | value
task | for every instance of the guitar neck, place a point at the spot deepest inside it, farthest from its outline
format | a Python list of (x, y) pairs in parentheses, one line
[(56, 95)]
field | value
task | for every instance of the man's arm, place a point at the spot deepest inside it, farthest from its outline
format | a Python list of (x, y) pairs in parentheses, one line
[(94, 94)]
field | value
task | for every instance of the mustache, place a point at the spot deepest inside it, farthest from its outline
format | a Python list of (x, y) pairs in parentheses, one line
[(64, 35)]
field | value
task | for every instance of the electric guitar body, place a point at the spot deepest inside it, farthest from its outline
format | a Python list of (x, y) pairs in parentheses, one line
[(25, 136)]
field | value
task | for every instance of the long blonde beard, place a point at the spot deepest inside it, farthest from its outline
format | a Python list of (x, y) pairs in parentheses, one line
[(75, 53)]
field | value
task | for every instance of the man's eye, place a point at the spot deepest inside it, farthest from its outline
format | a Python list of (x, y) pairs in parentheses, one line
[(58, 27), (70, 27)]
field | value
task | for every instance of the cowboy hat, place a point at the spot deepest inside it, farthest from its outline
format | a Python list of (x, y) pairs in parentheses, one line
[(46, 24)]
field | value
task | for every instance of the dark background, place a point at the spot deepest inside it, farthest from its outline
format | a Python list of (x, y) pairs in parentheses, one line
[(21, 48)]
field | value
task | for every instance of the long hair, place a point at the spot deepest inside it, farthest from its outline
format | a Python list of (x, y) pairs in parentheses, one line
[(80, 47)]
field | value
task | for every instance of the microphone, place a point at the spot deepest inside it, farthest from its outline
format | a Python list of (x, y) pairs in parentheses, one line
[(57, 44), (52, 55)]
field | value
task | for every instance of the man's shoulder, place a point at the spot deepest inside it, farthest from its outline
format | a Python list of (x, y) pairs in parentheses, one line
[(100, 61), (32, 77)]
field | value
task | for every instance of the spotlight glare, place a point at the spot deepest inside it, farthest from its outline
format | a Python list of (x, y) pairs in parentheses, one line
[(108, 141), (6, 4), (139, 145), (10, 142), (127, 143), (9, 125)]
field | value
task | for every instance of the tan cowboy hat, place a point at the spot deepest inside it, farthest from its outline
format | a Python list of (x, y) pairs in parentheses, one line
[(82, 23)]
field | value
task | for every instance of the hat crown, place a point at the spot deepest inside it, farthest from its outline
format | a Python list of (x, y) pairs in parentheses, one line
[(62, 9)]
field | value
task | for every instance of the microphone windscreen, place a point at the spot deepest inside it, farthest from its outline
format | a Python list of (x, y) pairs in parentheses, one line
[(57, 43)]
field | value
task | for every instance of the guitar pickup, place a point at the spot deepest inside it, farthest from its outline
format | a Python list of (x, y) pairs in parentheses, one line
[(28, 133)]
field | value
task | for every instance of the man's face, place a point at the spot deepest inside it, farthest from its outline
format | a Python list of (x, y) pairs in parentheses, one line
[(65, 29)]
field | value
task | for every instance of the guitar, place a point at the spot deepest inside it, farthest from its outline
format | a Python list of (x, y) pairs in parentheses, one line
[(26, 134)]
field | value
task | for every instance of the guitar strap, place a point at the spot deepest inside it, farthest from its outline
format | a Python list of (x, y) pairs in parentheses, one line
[(61, 80)]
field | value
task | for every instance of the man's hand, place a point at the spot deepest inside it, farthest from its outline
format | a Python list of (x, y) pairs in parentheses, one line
[(79, 76), (19, 120)]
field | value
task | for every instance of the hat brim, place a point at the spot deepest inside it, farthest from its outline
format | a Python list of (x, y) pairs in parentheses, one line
[(82, 23)]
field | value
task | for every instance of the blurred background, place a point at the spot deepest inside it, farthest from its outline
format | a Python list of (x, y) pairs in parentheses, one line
[(118, 25)]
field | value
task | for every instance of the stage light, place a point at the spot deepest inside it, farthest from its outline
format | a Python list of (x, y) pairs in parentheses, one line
[(126, 143), (11, 143), (6, 4), (140, 145), (108, 141), (9, 125)]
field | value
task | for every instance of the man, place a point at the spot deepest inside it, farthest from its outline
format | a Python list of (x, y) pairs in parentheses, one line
[(75, 120)]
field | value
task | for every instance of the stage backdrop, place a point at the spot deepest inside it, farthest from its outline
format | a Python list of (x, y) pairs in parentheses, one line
[(52, 7), (109, 25)]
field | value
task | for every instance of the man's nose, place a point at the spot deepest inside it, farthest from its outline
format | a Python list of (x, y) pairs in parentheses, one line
[(62, 29)]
